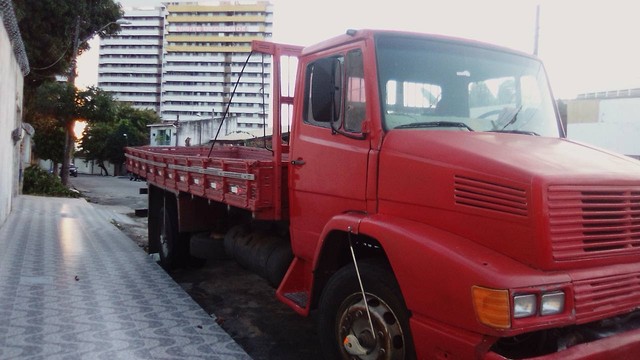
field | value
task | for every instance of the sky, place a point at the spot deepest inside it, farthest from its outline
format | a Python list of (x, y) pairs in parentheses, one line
[(586, 46)]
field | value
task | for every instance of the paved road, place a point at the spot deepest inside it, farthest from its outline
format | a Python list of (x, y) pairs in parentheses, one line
[(244, 304), (110, 190), (121, 196)]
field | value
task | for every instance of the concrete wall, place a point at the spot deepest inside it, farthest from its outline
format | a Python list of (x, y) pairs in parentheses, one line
[(198, 131), (84, 167), (13, 66)]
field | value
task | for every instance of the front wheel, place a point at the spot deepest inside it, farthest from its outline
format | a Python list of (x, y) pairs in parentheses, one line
[(343, 324)]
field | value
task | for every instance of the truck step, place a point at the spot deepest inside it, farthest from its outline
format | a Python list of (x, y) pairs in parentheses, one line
[(299, 298)]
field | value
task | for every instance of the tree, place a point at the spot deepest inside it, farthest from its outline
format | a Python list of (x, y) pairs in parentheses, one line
[(97, 105), (105, 140), (56, 107), (480, 95), (95, 138), (48, 29), (54, 33), (51, 108), (507, 92), (49, 140)]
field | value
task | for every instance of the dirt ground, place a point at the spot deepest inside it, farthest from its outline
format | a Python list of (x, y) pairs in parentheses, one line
[(245, 306), (242, 302)]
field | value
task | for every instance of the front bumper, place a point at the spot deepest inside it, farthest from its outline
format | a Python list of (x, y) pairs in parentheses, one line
[(621, 346)]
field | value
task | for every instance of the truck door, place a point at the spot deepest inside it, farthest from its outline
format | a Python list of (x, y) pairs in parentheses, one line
[(329, 152)]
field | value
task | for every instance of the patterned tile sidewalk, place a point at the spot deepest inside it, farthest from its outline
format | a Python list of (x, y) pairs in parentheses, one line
[(72, 286)]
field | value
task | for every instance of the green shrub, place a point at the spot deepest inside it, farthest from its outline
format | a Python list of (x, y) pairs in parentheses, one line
[(39, 182)]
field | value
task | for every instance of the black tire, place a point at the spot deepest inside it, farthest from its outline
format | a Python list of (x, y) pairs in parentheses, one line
[(278, 263), (172, 247), (342, 313), (231, 237)]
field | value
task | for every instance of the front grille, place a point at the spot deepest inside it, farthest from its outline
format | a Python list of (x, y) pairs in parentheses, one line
[(605, 297), (593, 221)]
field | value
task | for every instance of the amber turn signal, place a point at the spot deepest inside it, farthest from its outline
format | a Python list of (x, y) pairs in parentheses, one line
[(492, 307)]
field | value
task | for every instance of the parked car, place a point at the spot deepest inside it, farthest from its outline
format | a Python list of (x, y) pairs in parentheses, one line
[(73, 170)]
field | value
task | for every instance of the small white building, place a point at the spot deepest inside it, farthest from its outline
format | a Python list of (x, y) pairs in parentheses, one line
[(610, 120), (190, 132)]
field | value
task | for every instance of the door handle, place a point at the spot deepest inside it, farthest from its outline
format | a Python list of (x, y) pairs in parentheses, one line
[(298, 162)]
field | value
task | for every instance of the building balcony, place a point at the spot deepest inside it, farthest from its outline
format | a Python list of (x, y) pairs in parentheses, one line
[(149, 70), (157, 42), (131, 52), (134, 80)]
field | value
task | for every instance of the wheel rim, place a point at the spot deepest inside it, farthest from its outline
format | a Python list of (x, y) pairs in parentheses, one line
[(389, 342)]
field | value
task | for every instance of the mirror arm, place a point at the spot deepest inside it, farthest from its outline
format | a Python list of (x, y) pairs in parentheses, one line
[(332, 121), (335, 131)]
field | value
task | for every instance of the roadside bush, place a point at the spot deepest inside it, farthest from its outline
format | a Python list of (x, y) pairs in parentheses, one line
[(40, 182)]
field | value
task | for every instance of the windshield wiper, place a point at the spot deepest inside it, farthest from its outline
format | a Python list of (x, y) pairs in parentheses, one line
[(431, 124), (517, 132), (513, 119)]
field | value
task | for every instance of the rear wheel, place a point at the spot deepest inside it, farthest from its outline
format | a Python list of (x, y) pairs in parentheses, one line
[(173, 246), (343, 324)]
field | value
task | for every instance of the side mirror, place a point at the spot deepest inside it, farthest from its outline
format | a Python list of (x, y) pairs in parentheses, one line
[(326, 90)]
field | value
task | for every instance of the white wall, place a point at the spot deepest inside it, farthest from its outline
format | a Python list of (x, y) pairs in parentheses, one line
[(623, 138), (199, 131), (10, 112), (87, 168), (617, 126)]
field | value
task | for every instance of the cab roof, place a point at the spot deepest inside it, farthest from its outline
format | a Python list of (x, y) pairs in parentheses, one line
[(370, 34)]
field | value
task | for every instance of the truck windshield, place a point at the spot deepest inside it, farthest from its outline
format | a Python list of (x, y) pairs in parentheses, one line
[(438, 85)]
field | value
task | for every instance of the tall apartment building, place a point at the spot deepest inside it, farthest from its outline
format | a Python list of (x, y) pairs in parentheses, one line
[(205, 49), (186, 57), (130, 63)]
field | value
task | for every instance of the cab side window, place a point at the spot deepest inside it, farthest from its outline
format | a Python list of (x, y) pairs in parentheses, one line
[(355, 99), (323, 91), (335, 92)]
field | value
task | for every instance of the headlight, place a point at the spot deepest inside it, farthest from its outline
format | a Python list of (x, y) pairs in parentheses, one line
[(497, 308), (552, 303), (524, 305)]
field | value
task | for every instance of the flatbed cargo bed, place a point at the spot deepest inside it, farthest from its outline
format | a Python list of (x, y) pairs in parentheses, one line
[(238, 176), (249, 178)]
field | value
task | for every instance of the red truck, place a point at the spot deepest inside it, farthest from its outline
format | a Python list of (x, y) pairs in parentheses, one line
[(426, 203)]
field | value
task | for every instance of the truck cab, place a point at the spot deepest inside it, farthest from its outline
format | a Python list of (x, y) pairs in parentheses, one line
[(441, 167), (425, 204)]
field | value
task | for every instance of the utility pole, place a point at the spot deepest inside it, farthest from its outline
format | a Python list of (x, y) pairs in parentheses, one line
[(176, 124), (537, 31), (69, 136), (71, 79)]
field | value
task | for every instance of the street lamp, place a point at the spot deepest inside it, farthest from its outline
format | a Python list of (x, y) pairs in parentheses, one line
[(76, 44)]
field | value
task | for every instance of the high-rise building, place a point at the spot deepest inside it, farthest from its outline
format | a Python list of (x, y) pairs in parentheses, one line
[(130, 64), (186, 58), (205, 50)]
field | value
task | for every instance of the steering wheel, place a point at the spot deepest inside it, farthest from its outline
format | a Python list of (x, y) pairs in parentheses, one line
[(490, 113)]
